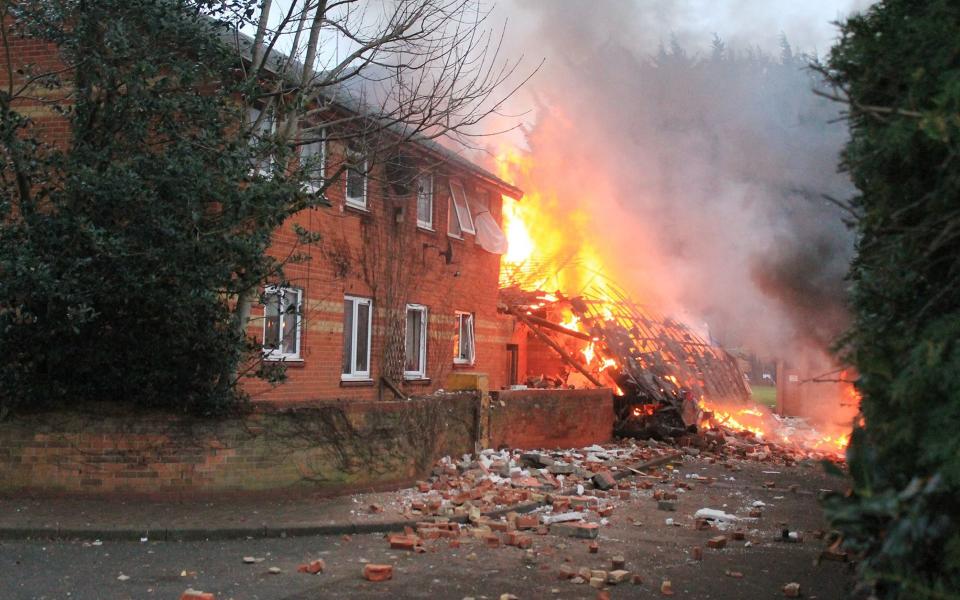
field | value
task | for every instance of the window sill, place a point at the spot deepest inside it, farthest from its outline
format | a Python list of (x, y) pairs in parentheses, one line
[(417, 381), (356, 383), (454, 237), (290, 360), (464, 365), (365, 209), (426, 229)]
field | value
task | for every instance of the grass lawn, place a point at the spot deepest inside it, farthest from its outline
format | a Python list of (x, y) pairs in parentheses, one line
[(765, 394)]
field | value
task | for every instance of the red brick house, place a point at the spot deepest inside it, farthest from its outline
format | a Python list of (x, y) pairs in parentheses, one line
[(395, 262)]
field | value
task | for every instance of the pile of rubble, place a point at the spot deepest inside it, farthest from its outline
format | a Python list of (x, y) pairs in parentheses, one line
[(503, 498), (495, 479)]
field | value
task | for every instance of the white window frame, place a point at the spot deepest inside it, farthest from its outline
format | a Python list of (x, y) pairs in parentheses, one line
[(268, 127), (277, 353), (460, 210), (355, 201), (425, 189), (471, 320), (354, 374), (321, 146), (420, 373)]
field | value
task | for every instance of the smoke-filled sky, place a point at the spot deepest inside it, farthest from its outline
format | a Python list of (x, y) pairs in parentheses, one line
[(702, 172)]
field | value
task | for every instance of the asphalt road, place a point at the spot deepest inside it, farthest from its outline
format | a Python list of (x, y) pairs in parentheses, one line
[(637, 531)]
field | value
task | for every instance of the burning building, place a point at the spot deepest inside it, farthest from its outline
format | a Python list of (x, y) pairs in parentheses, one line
[(576, 328)]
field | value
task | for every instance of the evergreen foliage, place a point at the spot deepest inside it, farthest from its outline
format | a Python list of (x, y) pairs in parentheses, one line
[(898, 67), (122, 252)]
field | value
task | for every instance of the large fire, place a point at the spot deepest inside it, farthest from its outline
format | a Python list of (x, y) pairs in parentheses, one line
[(548, 256)]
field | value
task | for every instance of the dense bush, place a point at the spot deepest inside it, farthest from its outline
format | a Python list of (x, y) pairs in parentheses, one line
[(898, 64), (122, 251)]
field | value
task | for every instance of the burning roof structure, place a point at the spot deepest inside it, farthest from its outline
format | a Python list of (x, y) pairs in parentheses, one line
[(668, 381), (659, 368)]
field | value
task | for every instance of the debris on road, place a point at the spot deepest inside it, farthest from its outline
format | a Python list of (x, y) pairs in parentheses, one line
[(192, 594), (313, 567), (372, 572), (792, 590)]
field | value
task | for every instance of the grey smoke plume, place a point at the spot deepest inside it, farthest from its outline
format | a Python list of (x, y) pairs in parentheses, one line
[(702, 161)]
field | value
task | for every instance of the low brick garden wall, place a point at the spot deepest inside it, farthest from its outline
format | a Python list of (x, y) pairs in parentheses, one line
[(550, 418), (335, 447)]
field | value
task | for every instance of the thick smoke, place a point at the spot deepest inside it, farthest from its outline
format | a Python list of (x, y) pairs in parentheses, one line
[(700, 159)]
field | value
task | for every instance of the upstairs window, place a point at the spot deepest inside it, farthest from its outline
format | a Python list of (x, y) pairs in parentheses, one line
[(313, 158), (425, 201), (262, 129), (415, 346), (464, 350), (356, 179), (357, 321), (459, 219), (281, 323)]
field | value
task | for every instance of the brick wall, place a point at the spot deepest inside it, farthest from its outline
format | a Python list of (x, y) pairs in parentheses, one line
[(334, 447), (550, 418)]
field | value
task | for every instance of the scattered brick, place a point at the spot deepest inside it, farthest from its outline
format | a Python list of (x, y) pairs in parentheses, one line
[(403, 542), (717, 542), (738, 535), (617, 576), (594, 547), (666, 588), (697, 553), (792, 590), (192, 594), (579, 530), (527, 521), (734, 574), (604, 481), (372, 572), (566, 572), (313, 567), (596, 582), (618, 563)]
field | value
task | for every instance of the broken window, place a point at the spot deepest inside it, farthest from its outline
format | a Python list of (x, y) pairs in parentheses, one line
[(415, 346), (357, 320), (281, 323), (459, 219), (464, 351), (356, 179), (425, 201)]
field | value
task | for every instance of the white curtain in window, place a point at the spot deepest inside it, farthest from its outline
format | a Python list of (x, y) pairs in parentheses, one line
[(489, 235)]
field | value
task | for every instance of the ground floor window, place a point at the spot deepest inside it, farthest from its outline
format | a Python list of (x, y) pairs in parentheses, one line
[(415, 345), (464, 350), (281, 322), (357, 320)]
